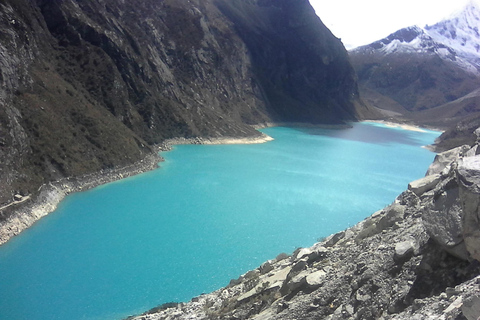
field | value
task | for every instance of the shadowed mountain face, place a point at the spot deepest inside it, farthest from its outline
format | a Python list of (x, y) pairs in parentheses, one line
[(429, 76), (89, 85), (295, 58)]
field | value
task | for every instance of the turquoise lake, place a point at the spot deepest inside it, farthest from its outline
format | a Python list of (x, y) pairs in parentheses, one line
[(209, 214)]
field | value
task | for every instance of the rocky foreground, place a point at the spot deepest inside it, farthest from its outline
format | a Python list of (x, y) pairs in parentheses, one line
[(416, 259)]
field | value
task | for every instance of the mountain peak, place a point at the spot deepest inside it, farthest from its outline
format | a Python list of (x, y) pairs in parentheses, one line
[(412, 39), (456, 38), (461, 31), (405, 35)]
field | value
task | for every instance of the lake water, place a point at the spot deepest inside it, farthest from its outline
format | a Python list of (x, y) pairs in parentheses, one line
[(209, 214)]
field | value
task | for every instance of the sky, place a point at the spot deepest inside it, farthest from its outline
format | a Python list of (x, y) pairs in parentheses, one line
[(360, 22)]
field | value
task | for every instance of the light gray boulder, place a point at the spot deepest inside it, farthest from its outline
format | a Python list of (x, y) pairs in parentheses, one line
[(404, 250), (469, 181), (381, 220), (477, 133), (316, 279), (393, 214), (443, 159), (471, 308), (424, 184), (442, 218), (475, 150)]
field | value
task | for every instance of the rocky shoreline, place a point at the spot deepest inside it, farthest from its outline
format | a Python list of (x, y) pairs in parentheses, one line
[(418, 258), (23, 213)]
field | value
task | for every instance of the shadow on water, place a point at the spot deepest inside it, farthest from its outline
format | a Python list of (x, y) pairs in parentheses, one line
[(368, 133)]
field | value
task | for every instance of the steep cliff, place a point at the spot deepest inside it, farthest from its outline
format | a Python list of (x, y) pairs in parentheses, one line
[(92, 85)]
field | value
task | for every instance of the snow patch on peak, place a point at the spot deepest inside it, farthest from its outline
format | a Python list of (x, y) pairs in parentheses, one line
[(460, 31), (408, 40), (456, 39)]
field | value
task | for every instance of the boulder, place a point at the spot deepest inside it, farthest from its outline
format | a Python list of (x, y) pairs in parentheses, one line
[(442, 218), (477, 133), (475, 150), (469, 181), (471, 308), (303, 253), (275, 281), (404, 250), (393, 214), (316, 279), (266, 267), (305, 280), (381, 220), (443, 159), (424, 184)]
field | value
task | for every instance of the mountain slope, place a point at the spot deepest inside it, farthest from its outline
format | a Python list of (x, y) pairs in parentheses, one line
[(92, 85), (461, 32), (414, 71)]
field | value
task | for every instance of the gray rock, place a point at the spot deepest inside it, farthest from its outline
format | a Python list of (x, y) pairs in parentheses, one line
[(296, 283), (456, 304), (471, 308), (477, 132), (473, 151), (442, 218), (404, 250), (469, 179), (362, 296), (443, 159), (303, 253), (276, 280), (334, 238), (425, 184), (380, 221), (393, 214), (266, 267), (316, 278)]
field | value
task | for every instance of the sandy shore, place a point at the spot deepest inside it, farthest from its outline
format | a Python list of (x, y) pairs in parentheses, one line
[(404, 126), (222, 140), (302, 125)]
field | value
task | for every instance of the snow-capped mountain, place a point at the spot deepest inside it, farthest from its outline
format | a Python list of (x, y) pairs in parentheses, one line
[(460, 32), (429, 74), (456, 38)]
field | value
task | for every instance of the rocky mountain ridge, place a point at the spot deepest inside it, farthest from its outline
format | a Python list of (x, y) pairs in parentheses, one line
[(418, 258), (415, 40), (95, 85), (460, 32), (429, 76)]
